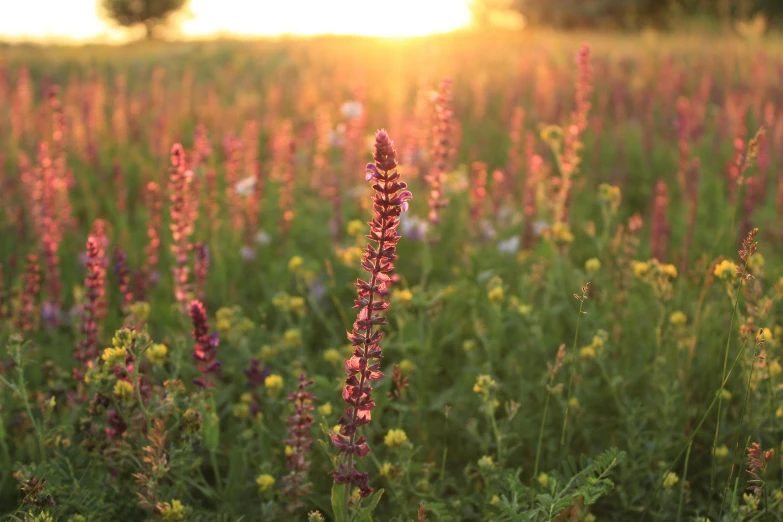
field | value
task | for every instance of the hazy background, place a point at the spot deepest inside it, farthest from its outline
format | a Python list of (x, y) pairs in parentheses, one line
[(85, 21)]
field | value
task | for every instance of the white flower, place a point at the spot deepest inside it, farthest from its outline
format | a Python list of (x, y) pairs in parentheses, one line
[(245, 186), (351, 110), (487, 230), (413, 227), (337, 136), (539, 227), (262, 238), (247, 253), (509, 246)]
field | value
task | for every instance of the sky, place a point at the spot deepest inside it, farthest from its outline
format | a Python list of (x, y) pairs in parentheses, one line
[(80, 20)]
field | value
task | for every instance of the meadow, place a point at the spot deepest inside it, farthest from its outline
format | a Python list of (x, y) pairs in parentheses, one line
[(569, 311)]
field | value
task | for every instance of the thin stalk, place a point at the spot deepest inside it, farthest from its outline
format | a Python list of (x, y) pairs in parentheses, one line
[(684, 478), (739, 431), (723, 378), (543, 423), (573, 365)]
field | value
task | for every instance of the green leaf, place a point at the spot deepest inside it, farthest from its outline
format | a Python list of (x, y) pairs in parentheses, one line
[(365, 513), (339, 508), (211, 430)]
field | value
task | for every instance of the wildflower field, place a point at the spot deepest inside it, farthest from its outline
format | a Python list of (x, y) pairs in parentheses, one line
[(476, 277)]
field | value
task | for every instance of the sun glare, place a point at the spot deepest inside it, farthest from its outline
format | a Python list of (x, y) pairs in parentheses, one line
[(79, 20)]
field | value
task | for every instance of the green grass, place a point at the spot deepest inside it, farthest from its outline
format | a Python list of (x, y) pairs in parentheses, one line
[(641, 393)]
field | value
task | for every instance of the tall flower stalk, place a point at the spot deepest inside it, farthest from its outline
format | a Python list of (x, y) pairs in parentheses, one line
[(206, 345), (299, 441), (95, 287), (154, 205), (181, 223), (364, 367), (442, 135), (32, 283)]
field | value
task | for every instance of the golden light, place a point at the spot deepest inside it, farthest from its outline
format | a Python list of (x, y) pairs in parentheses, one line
[(79, 19)]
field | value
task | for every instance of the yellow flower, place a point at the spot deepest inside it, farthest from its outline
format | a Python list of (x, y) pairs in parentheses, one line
[(173, 510), (483, 384), (495, 294), (355, 227), (244, 325), (589, 517), (725, 270), (292, 338), (573, 402), (140, 310), (721, 451), (756, 261), (336, 428), (289, 451), (559, 233), (241, 410), (593, 265), (522, 256), (486, 463), (468, 345), (495, 500), (268, 352), (765, 334), (670, 479), (273, 383), (726, 394), (669, 270), (543, 479), (224, 325), (114, 356), (404, 296), (349, 256), (297, 305), (678, 318), (156, 354), (395, 438), (587, 353), (386, 469), (774, 368), (332, 356), (640, 268), (751, 501), (407, 366), (525, 309), (610, 195), (265, 482), (123, 390), (325, 409), (295, 264)]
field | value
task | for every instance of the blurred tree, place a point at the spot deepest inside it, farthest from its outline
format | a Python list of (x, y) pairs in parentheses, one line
[(626, 13), (152, 14)]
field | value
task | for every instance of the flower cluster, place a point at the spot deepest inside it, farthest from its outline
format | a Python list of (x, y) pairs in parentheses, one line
[(181, 222), (442, 149), (206, 345), (95, 284), (123, 275), (390, 200), (298, 443), (154, 205), (32, 281), (757, 463)]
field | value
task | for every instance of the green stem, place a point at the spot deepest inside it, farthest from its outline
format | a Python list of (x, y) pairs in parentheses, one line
[(543, 422), (723, 378), (573, 368), (684, 477)]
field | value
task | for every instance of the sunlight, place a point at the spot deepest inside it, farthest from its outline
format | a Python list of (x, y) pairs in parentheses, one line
[(79, 19), (360, 17)]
